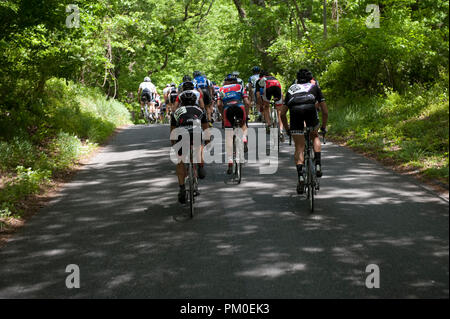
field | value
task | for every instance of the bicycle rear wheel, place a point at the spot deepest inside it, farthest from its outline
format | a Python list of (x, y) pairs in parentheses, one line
[(311, 186), (191, 190)]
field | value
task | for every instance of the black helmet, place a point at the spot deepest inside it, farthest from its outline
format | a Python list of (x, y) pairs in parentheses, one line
[(196, 73), (304, 76), (230, 78), (187, 78), (188, 98), (188, 85), (256, 69), (263, 73)]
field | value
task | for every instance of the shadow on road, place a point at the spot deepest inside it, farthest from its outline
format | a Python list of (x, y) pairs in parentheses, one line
[(253, 240)]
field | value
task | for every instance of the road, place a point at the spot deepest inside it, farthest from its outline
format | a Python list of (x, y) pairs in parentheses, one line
[(255, 240)]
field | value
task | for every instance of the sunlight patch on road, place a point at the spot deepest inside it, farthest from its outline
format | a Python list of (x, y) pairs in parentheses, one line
[(273, 270)]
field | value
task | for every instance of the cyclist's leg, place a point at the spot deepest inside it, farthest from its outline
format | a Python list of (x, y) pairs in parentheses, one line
[(227, 120), (297, 126), (266, 112)]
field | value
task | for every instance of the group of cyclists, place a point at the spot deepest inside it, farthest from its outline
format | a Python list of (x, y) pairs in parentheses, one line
[(197, 99)]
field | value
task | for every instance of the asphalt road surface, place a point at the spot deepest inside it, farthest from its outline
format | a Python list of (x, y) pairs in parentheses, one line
[(253, 240)]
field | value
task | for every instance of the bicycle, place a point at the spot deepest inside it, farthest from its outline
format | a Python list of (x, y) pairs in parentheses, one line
[(275, 122), (191, 179), (145, 113), (237, 164), (312, 183)]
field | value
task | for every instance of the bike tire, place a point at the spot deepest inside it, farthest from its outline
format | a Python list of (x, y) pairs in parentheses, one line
[(311, 187), (191, 190)]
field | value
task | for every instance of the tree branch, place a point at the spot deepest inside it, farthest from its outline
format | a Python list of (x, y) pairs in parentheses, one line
[(300, 16), (240, 9)]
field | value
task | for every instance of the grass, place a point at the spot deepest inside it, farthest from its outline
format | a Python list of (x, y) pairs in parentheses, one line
[(76, 119), (410, 130)]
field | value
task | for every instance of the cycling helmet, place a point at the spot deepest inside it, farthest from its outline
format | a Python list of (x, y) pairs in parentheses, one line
[(304, 76), (167, 85), (256, 69), (196, 73), (230, 78), (187, 78), (188, 85), (235, 73), (188, 98), (147, 79), (173, 85), (263, 73)]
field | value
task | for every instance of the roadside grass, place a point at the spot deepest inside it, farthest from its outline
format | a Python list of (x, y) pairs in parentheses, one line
[(410, 130), (76, 121)]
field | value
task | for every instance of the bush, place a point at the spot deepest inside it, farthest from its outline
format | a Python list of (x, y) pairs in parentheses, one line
[(411, 128)]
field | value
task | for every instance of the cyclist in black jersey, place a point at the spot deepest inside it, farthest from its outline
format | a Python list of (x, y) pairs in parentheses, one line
[(188, 109), (301, 99)]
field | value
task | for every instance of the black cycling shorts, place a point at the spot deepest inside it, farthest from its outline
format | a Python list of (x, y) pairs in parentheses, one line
[(301, 114), (173, 97), (233, 111), (147, 96), (275, 92)]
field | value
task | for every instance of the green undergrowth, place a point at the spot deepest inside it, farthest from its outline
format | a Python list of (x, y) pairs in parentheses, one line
[(36, 148), (411, 130)]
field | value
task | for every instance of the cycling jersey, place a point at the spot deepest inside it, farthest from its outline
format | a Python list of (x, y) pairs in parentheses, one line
[(232, 97), (252, 80), (148, 91), (301, 94), (184, 93), (173, 94), (232, 94), (271, 88), (148, 85), (184, 115), (201, 82), (301, 99)]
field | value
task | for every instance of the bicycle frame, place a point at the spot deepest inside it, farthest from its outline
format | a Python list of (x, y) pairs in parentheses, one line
[(192, 181), (237, 167)]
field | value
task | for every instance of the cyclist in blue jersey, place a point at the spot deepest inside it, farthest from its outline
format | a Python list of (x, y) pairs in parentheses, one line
[(202, 84), (233, 101)]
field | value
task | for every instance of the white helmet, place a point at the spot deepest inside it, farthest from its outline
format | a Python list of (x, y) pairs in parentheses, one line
[(147, 79)]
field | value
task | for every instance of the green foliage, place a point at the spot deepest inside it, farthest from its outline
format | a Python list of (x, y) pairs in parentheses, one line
[(26, 182), (411, 129)]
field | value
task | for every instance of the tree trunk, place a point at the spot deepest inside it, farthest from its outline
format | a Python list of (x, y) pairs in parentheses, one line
[(240, 9), (325, 31)]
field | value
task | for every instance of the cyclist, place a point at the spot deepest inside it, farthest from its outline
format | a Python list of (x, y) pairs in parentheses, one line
[(252, 88), (203, 85), (241, 83), (270, 88), (166, 94), (146, 95), (172, 97), (300, 100), (159, 108), (215, 98), (233, 100), (189, 101)]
